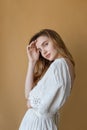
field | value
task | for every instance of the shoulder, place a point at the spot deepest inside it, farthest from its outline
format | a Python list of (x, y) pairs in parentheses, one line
[(58, 68), (64, 67), (59, 63)]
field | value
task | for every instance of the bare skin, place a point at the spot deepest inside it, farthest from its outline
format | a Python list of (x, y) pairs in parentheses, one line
[(33, 56)]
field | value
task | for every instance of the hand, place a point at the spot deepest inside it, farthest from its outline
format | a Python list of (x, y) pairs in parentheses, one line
[(32, 52), (28, 104)]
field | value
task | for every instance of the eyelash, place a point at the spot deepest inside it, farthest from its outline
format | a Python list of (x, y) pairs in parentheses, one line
[(46, 43)]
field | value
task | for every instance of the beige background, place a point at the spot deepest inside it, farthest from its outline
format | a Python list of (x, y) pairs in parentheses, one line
[(19, 20)]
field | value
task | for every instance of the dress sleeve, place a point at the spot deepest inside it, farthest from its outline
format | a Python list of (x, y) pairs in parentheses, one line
[(56, 86)]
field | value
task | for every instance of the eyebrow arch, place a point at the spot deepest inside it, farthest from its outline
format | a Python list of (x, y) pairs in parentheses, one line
[(43, 43)]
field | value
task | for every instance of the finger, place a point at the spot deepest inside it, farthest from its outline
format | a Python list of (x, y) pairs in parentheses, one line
[(33, 43), (28, 47), (31, 46)]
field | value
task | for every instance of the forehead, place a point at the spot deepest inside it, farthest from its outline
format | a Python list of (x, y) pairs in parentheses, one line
[(41, 40)]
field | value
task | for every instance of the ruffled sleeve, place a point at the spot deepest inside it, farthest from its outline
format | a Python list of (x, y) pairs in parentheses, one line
[(54, 87)]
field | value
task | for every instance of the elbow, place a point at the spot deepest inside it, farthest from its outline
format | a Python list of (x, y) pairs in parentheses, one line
[(26, 96)]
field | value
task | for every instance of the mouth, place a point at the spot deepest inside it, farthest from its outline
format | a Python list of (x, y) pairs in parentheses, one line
[(47, 56)]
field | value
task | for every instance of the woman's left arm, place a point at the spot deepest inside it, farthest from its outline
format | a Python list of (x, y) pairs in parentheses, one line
[(57, 87)]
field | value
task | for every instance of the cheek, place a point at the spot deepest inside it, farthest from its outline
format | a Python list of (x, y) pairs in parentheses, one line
[(52, 48), (55, 51)]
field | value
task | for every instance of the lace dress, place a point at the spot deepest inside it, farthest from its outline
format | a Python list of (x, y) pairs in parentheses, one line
[(47, 97)]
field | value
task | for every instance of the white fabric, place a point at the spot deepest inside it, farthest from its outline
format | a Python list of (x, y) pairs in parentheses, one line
[(47, 97)]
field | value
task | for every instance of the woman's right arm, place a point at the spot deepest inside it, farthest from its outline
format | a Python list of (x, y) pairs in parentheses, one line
[(29, 79), (33, 56)]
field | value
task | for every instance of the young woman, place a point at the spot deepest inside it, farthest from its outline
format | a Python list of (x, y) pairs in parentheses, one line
[(49, 80)]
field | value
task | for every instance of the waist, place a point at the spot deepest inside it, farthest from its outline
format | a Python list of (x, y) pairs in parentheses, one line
[(44, 115)]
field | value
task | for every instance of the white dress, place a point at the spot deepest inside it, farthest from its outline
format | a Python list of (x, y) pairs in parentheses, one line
[(47, 97)]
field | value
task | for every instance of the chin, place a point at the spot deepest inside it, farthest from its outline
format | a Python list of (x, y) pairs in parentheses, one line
[(51, 59)]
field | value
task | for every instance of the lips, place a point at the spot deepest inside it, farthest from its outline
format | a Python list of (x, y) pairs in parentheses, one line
[(48, 55)]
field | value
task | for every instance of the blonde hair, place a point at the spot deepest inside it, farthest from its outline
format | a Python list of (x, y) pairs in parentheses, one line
[(43, 64)]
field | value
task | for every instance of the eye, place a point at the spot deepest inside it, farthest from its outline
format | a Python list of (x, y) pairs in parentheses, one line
[(46, 43)]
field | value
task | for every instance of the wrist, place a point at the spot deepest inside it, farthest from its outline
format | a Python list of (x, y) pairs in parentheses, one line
[(31, 64)]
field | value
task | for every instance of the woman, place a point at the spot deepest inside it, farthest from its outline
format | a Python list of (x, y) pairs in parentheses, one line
[(49, 80)]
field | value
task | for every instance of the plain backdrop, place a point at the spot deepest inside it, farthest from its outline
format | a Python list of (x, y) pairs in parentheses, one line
[(19, 20)]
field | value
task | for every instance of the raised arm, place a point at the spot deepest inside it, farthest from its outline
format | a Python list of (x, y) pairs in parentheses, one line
[(33, 56)]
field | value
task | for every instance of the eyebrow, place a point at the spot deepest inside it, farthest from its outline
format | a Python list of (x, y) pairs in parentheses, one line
[(43, 43)]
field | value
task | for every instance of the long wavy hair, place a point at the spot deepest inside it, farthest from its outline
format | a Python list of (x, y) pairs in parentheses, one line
[(43, 64)]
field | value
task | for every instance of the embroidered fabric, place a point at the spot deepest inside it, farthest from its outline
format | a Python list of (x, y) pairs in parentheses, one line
[(35, 101)]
